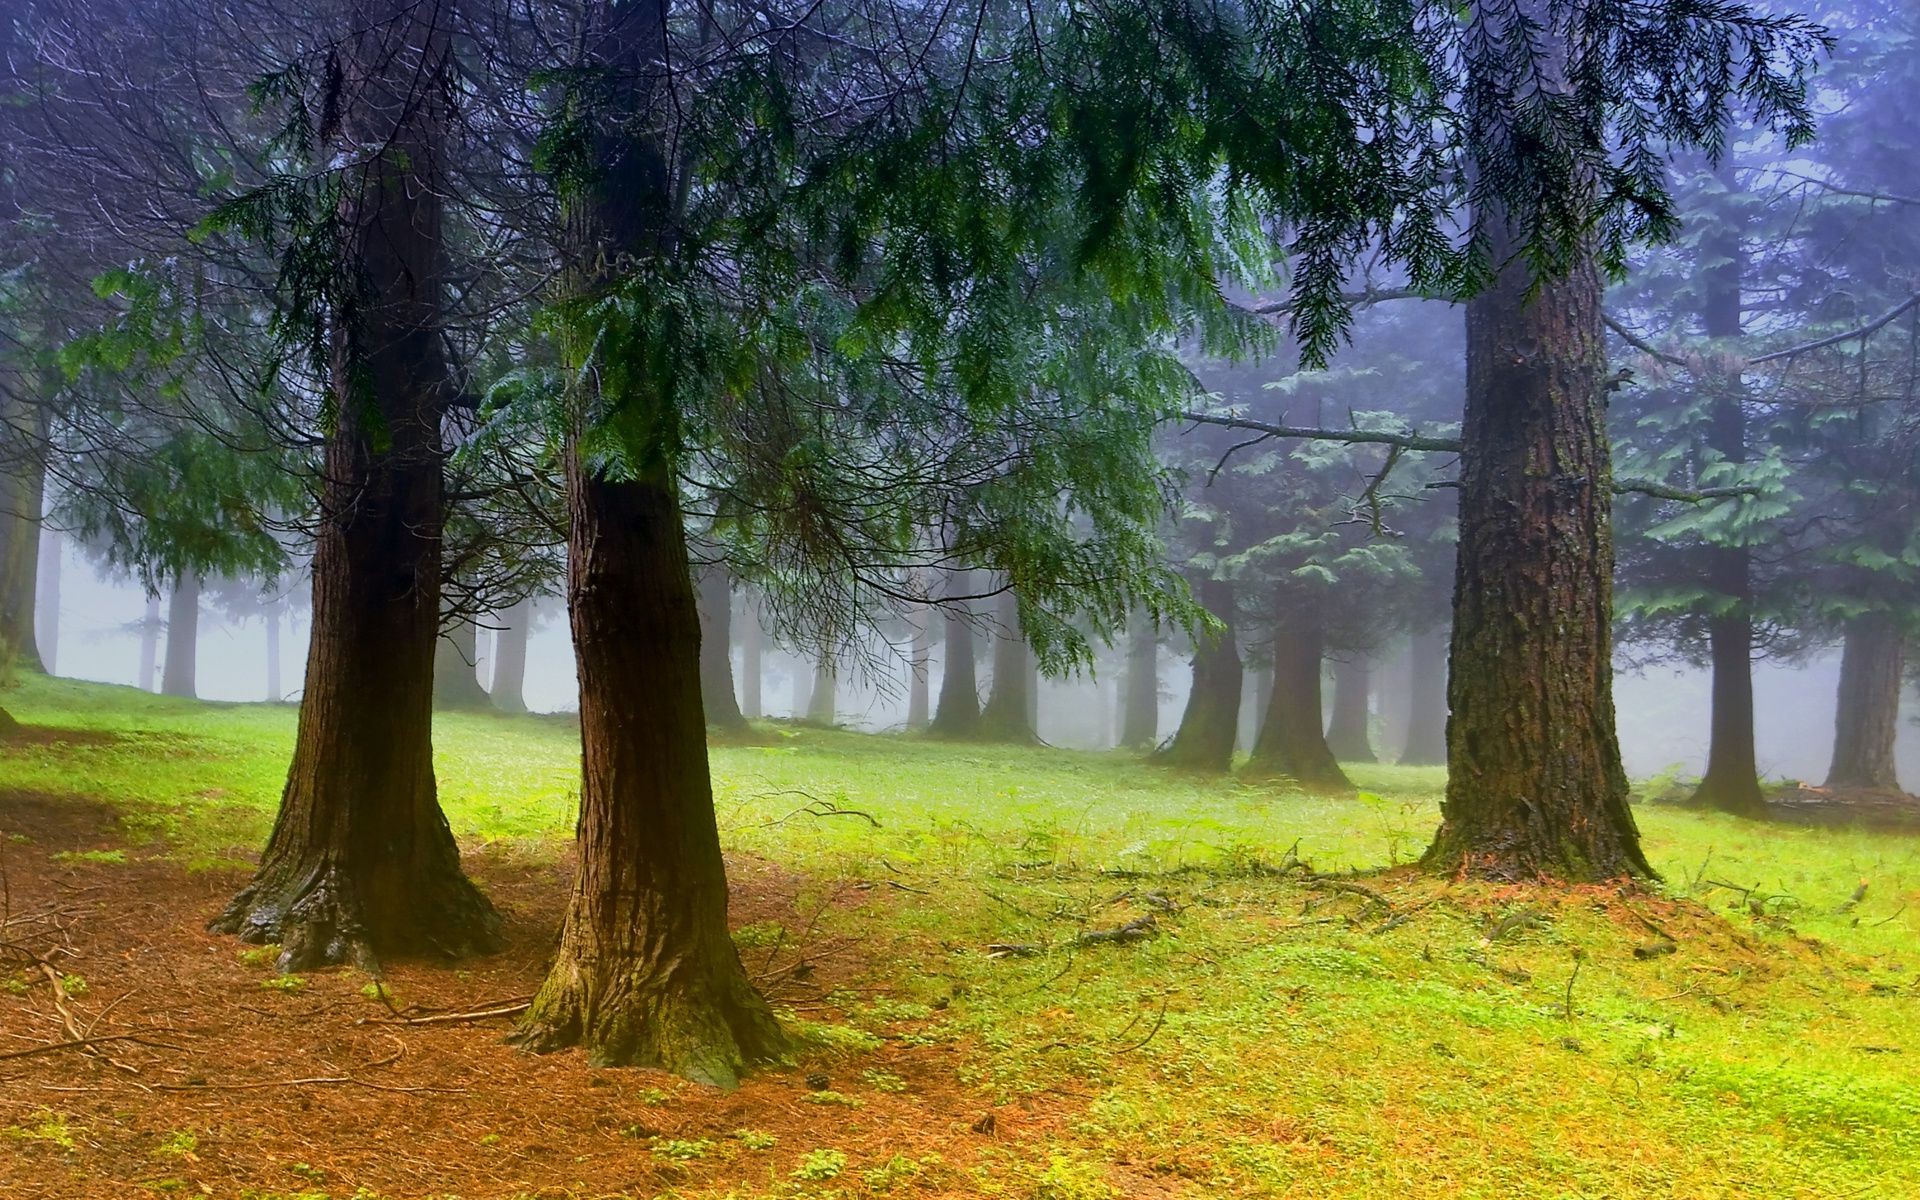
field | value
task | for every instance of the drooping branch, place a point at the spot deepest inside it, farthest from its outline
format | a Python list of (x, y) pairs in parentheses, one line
[(1859, 331)]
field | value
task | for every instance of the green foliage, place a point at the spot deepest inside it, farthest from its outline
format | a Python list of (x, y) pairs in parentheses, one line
[(817, 1166)]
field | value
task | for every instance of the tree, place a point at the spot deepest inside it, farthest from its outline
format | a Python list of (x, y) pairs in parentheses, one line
[(511, 628), (1140, 710), (1007, 715), (716, 651), (177, 676), (1349, 733), (1210, 724)]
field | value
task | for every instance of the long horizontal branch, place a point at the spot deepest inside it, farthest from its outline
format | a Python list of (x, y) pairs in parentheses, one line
[(1858, 331)]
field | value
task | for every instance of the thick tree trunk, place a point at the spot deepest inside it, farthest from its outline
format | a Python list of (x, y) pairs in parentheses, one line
[(1211, 723), (456, 669), (361, 862), (1140, 717), (752, 651), (1350, 733), (1867, 719), (150, 624), (1426, 699), (1293, 740), (47, 602), (958, 713), (820, 696), (1254, 696), (919, 658), (275, 692), (183, 637), (1535, 787), (716, 650), (509, 690), (1007, 715), (646, 973), (23, 427)]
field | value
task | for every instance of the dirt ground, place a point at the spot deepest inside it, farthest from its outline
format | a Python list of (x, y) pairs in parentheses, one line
[(199, 1076)]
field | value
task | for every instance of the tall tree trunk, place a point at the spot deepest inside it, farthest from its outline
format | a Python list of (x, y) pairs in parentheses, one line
[(1254, 695), (1350, 733), (183, 637), (716, 650), (456, 668), (1867, 719), (646, 973), (361, 862), (1293, 740), (1007, 714), (509, 690), (23, 431), (1535, 787), (1426, 699), (1211, 723), (820, 696), (753, 640), (275, 691), (919, 658), (958, 713), (47, 602), (150, 624), (1140, 718)]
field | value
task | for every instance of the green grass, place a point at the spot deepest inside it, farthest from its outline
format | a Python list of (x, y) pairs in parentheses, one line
[(1276, 1040)]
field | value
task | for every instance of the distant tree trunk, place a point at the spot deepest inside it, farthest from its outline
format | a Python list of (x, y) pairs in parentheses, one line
[(752, 652), (1349, 735), (456, 670), (1293, 740), (275, 693), (646, 973), (1140, 717), (820, 697), (509, 690), (1254, 695), (1731, 782), (1006, 716), (361, 862), (1211, 723), (1535, 787), (1426, 699), (183, 637), (958, 713), (22, 499), (716, 650), (150, 624), (918, 662), (1867, 719), (47, 603)]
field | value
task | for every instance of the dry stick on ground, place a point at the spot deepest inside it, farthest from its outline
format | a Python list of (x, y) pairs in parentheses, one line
[(505, 1009), (313, 1081), (82, 1043)]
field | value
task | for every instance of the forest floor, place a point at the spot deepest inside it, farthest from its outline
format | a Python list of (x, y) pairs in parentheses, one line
[(1751, 1028)]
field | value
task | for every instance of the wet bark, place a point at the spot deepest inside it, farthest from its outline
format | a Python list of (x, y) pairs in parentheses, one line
[(1867, 718), (1292, 741), (1535, 786), (646, 973), (1426, 699), (1007, 715), (456, 669), (1349, 732), (177, 675), (1140, 710), (361, 862), (509, 690), (1210, 725), (716, 650)]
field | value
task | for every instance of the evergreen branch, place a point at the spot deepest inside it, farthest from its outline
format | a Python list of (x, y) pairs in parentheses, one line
[(1641, 344), (1379, 437), (1859, 331)]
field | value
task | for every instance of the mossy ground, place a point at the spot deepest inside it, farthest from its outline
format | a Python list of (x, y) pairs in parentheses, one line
[(1280, 1037)]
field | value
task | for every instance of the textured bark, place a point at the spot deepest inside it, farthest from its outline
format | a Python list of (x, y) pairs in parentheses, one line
[(47, 600), (177, 676), (22, 493), (752, 678), (820, 696), (716, 650), (1535, 786), (958, 713), (646, 973), (1349, 732), (918, 663), (1867, 719), (1426, 700), (1007, 715), (150, 623), (509, 686), (1140, 711), (1731, 782), (361, 862), (1292, 740), (1210, 725), (456, 669)]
